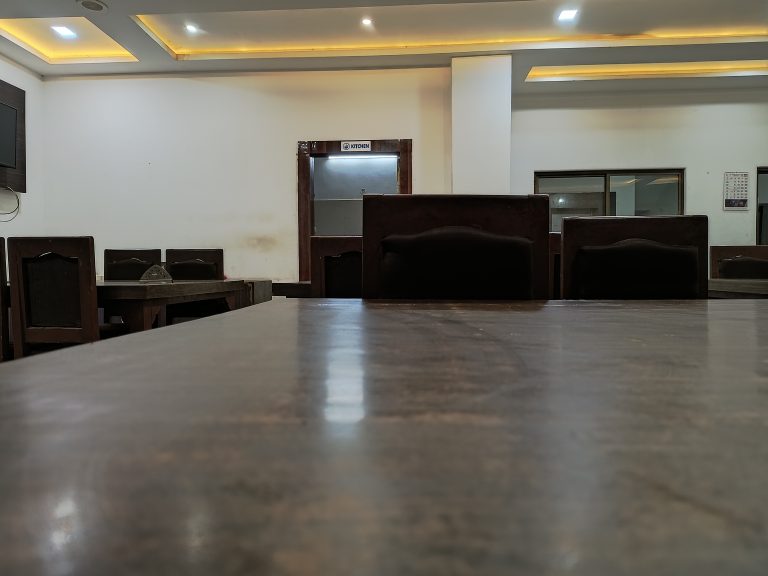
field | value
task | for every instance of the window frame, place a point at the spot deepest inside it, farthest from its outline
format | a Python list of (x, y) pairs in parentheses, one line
[(606, 176)]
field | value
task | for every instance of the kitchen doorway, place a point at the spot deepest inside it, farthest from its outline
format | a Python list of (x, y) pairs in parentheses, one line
[(333, 177)]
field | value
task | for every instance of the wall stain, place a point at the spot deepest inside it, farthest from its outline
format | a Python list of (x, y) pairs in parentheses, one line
[(265, 243)]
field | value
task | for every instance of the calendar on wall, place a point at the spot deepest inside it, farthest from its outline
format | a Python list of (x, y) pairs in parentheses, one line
[(736, 191)]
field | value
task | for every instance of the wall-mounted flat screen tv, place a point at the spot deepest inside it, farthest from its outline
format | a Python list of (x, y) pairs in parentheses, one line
[(8, 118), (13, 138)]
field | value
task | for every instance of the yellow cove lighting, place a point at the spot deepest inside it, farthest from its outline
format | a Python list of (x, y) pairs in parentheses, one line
[(171, 35), (84, 42), (647, 70)]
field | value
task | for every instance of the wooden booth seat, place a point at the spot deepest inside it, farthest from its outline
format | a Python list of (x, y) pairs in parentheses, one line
[(195, 264), (747, 262), (129, 264), (634, 257), (455, 247)]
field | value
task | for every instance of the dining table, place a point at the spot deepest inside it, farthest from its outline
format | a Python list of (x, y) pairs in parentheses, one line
[(311, 436), (738, 288), (142, 305)]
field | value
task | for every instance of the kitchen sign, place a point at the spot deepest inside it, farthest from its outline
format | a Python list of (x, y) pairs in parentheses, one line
[(356, 146)]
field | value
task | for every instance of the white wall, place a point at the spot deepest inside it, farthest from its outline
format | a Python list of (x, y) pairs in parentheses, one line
[(707, 133), (210, 161), (481, 107), (31, 217)]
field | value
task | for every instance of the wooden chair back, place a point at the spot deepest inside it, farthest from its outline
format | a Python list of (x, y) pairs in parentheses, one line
[(195, 264), (5, 303), (461, 246), (738, 261), (337, 266), (646, 248), (129, 264), (53, 291)]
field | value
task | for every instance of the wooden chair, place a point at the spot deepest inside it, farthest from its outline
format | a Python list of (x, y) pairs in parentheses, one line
[(53, 292), (739, 262), (129, 264), (337, 266), (195, 264), (461, 247), (634, 257), (5, 332)]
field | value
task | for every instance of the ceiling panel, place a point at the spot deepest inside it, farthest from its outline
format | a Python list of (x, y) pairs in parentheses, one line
[(37, 36), (243, 35)]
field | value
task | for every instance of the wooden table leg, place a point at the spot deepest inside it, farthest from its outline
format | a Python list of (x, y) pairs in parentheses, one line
[(138, 315)]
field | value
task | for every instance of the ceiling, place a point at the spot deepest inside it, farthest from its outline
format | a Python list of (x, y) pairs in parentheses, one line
[(151, 36)]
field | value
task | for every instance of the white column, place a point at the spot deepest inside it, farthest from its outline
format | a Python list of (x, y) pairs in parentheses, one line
[(481, 111)]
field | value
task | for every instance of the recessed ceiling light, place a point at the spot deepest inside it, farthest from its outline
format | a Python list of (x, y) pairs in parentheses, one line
[(64, 32), (192, 29), (366, 22), (93, 5), (568, 15)]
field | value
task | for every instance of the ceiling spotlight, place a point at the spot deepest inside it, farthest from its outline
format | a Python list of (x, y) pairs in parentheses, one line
[(366, 22), (93, 5), (568, 15), (64, 32), (192, 29)]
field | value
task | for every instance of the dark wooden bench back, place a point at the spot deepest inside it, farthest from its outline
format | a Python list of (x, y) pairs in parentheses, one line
[(129, 264), (634, 257), (455, 246), (738, 262), (195, 264)]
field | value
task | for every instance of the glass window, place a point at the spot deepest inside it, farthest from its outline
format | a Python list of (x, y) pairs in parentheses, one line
[(644, 194), (615, 193), (573, 196), (339, 183)]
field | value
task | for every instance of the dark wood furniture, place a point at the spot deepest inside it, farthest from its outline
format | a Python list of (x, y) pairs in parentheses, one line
[(5, 320), (301, 289), (53, 292), (258, 290), (195, 264), (456, 246), (730, 259), (554, 265), (337, 266), (311, 437), (129, 264), (140, 304), (634, 257), (738, 288)]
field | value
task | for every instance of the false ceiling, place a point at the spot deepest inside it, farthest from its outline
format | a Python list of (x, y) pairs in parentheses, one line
[(177, 36)]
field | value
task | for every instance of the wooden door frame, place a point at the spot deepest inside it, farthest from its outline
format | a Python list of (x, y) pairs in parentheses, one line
[(319, 148)]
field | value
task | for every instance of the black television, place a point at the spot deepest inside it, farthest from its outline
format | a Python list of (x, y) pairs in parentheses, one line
[(12, 138), (8, 115)]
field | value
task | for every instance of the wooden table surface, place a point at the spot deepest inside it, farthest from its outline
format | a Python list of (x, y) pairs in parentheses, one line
[(737, 288), (140, 304), (316, 437)]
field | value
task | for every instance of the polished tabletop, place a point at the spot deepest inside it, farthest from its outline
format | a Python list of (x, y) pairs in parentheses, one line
[(738, 288), (305, 437)]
